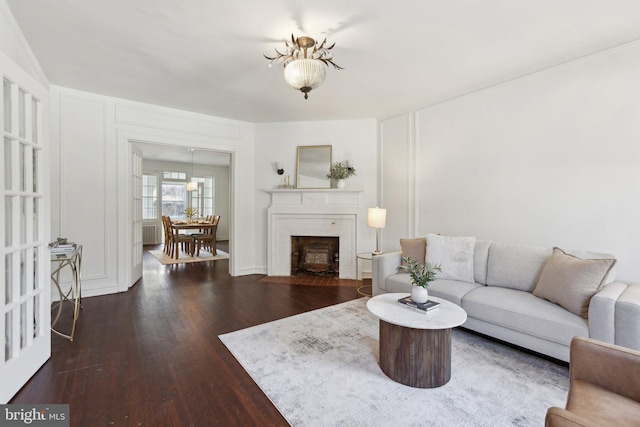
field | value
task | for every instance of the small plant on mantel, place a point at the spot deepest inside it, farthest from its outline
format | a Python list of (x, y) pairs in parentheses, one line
[(421, 274), (340, 171)]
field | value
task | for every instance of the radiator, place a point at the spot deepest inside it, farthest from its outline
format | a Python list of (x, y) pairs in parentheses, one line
[(149, 236)]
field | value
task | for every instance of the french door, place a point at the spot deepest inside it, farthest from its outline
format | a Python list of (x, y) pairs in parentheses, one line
[(25, 295), (136, 226)]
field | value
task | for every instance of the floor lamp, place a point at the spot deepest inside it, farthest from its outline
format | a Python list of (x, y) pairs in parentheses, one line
[(377, 218)]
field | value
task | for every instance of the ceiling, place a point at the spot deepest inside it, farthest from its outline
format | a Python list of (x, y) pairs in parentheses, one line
[(207, 56)]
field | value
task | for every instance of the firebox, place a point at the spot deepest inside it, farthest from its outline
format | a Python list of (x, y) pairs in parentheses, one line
[(315, 256)]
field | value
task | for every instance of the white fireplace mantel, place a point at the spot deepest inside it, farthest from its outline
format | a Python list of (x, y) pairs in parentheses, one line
[(312, 212)]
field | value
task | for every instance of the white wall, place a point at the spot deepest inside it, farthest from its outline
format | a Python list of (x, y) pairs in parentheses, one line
[(396, 193), (222, 194), (91, 171), (550, 159), (354, 140)]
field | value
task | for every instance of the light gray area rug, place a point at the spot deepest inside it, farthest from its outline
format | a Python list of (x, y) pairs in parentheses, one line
[(321, 369)]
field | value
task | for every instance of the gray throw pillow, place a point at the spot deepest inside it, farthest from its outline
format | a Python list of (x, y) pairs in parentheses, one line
[(570, 281), (453, 254)]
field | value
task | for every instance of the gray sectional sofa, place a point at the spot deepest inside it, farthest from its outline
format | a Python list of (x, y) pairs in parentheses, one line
[(500, 301)]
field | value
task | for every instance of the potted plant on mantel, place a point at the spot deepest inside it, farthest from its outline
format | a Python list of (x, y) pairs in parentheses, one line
[(421, 276), (339, 172)]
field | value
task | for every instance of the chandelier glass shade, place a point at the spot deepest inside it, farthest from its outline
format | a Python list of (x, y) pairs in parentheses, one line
[(305, 63), (305, 74)]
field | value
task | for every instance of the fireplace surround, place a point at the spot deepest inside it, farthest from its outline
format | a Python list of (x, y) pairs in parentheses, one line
[(319, 213)]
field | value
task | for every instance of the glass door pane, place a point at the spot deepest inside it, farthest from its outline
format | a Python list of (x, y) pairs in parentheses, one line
[(34, 121), (35, 165), (8, 279), (23, 168), (8, 221), (7, 105), (22, 114), (8, 164)]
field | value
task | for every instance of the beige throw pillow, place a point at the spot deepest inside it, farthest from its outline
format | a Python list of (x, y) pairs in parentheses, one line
[(415, 249), (570, 281)]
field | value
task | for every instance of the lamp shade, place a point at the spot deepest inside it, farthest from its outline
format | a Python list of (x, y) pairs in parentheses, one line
[(377, 217), (192, 186), (305, 73)]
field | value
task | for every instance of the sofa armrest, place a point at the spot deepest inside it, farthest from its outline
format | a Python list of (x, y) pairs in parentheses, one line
[(614, 315), (602, 312), (557, 417), (383, 266), (628, 317)]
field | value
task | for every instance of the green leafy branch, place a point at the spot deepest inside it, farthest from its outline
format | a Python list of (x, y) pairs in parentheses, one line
[(421, 274)]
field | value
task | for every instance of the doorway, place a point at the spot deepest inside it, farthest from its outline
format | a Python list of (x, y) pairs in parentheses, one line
[(166, 172)]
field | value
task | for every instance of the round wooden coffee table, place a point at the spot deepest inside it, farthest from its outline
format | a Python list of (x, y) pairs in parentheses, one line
[(415, 347)]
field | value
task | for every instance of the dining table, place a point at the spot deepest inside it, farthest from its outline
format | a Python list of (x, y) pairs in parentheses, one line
[(201, 225), (193, 225)]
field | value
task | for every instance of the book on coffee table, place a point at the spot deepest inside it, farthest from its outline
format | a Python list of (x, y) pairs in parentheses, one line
[(422, 307)]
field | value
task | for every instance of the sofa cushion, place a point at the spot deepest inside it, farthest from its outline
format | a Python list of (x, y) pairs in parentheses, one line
[(570, 281), (525, 313), (515, 266), (415, 249), (480, 260), (453, 254), (451, 290)]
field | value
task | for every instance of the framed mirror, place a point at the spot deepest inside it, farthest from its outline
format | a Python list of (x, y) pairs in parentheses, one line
[(313, 164)]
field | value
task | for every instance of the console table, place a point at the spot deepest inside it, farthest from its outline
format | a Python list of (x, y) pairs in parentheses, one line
[(71, 260)]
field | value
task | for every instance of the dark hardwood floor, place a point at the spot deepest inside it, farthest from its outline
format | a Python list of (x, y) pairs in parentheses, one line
[(151, 356)]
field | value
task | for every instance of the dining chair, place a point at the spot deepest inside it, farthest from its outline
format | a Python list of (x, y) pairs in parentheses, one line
[(167, 236), (207, 239), (188, 243)]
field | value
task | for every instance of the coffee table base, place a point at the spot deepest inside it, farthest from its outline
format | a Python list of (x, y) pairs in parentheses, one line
[(415, 357)]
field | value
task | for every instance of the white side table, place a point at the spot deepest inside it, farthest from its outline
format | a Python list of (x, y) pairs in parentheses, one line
[(415, 347)]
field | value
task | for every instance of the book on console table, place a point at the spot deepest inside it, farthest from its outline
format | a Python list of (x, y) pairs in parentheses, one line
[(421, 307), (66, 248)]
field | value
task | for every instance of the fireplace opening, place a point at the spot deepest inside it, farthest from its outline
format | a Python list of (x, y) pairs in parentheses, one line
[(315, 256)]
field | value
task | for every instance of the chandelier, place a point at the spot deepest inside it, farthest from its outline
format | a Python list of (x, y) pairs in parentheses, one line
[(305, 63)]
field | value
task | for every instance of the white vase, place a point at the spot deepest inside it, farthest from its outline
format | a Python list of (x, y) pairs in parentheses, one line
[(419, 294), (340, 183)]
